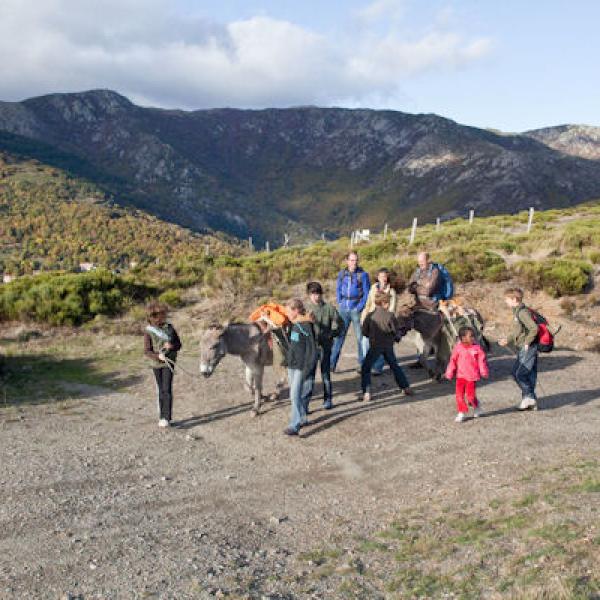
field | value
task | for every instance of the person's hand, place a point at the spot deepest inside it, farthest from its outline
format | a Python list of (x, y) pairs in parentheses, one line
[(162, 357), (503, 342), (169, 346)]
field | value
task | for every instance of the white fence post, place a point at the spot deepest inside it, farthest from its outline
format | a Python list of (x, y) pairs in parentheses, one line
[(286, 240), (267, 247), (385, 228), (530, 221), (250, 246), (437, 224), (352, 240), (413, 231), (471, 215), (206, 250)]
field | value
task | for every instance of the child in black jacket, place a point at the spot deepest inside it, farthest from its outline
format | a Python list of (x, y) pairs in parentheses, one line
[(301, 359)]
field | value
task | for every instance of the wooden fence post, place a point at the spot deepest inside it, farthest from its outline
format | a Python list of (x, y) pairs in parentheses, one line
[(385, 228), (471, 215), (413, 231), (286, 240), (437, 224), (250, 246), (530, 221), (206, 250), (267, 246)]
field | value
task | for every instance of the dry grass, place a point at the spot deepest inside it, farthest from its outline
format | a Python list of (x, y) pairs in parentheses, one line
[(539, 543)]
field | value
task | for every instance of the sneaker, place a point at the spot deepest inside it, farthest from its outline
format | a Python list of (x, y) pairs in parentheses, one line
[(408, 391), (366, 397), (527, 403), (460, 417), (290, 431), (376, 373), (477, 412), (328, 405), (163, 423)]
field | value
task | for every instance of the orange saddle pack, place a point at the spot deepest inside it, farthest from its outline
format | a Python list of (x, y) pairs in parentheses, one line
[(272, 313)]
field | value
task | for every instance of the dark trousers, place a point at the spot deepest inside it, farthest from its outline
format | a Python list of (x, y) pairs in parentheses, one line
[(325, 362), (525, 370), (390, 358), (164, 386)]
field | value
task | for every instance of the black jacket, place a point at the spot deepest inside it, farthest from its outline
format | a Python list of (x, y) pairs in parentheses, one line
[(382, 328), (302, 352)]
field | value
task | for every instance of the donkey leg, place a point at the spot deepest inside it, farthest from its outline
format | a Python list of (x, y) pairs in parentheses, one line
[(279, 385), (258, 380), (424, 360), (249, 379)]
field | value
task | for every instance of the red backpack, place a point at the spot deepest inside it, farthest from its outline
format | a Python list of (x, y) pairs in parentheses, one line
[(545, 338)]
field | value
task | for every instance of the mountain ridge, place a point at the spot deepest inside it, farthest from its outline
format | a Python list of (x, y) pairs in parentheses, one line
[(306, 170)]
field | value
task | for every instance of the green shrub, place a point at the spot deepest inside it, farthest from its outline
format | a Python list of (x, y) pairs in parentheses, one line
[(558, 277), (172, 297), (68, 299)]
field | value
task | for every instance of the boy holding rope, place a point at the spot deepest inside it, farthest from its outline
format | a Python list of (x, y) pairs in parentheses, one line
[(161, 344)]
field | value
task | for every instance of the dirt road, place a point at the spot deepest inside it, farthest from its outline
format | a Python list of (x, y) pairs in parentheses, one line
[(97, 502)]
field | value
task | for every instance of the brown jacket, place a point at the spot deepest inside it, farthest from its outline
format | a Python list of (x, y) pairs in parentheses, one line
[(426, 283), (381, 327)]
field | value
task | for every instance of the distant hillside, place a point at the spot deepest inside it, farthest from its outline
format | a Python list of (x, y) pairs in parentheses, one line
[(303, 171), (51, 221)]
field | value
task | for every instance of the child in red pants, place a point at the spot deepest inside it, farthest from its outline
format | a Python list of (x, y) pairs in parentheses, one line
[(469, 364)]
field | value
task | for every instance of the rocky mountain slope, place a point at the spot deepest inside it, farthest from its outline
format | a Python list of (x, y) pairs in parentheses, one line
[(576, 140), (302, 170)]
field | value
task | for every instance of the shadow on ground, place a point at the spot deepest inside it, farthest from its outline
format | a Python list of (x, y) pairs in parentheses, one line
[(26, 379)]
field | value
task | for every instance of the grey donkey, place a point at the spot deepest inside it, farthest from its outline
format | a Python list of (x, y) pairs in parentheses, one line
[(247, 341)]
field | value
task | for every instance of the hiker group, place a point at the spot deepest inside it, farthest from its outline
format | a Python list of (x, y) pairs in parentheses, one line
[(309, 334)]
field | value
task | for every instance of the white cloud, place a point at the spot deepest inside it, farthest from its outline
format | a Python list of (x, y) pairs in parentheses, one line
[(144, 50), (378, 9)]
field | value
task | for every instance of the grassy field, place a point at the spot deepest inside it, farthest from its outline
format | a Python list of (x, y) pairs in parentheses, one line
[(538, 540)]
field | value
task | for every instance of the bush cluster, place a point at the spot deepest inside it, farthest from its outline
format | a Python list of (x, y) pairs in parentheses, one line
[(69, 299)]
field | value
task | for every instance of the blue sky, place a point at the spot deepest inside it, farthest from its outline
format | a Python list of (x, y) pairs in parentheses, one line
[(507, 65)]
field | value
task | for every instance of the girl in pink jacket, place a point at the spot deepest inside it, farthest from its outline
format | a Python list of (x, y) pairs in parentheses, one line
[(469, 364)]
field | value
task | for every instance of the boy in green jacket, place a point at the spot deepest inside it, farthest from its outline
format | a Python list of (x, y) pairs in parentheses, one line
[(328, 325), (523, 338)]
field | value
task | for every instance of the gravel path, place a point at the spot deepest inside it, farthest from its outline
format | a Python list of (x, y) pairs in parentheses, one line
[(97, 502)]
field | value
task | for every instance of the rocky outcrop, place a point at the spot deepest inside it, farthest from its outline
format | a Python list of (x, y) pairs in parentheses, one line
[(576, 140)]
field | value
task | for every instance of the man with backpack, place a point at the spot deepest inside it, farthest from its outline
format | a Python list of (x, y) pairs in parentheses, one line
[(523, 338), (352, 291), (430, 282)]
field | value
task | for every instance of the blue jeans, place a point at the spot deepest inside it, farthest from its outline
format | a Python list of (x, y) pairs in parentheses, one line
[(325, 360), (298, 389), (347, 316), (524, 370), (379, 363), (390, 358)]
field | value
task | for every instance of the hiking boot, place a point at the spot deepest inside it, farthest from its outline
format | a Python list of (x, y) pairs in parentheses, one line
[(477, 412), (163, 423), (460, 418), (408, 391), (527, 403), (328, 405), (290, 431), (366, 397), (376, 373)]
